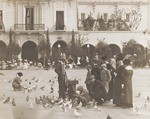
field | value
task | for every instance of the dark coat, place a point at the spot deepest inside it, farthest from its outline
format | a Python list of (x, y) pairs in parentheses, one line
[(127, 76), (118, 81), (62, 78)]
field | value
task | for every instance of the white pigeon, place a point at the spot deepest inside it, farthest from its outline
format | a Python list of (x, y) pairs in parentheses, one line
[(95, 105), (31, 105), (76, 113), (138, 95), (2, 98), (136, 109), (70, 106), (64, 108)]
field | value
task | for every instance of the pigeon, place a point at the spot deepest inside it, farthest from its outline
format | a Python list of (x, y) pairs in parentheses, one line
[(7, 100), (145, 104), (42, 88), (13, 102), (70, 106), (138, 95), (76, 113), (37, 80), (109, 117), (50, 80), (33, 78), (63, 108), (9, 81), (44, 97), (36, 100), (52, 90), (148, 98), (25, 91), (2, 98), (31, 105), (95, 105), (26, 79), (27, 98), (136, 109)]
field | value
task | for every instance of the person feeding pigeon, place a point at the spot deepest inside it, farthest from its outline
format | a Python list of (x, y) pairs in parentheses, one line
[(62, 77), (83, 96), (16, 84)]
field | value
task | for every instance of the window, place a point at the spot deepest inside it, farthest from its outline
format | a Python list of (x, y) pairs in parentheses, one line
[(1, 19), (127, 17), (60, 20), (105, 17), (29, 18), (82, 16)]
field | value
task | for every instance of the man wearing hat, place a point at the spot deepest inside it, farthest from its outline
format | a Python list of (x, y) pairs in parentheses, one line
[(62, 77)]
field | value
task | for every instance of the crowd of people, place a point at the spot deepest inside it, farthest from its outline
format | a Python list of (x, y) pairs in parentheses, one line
[(20, 64), (106, 80)]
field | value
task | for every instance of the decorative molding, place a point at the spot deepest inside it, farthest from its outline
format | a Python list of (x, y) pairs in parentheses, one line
[(112, 3)]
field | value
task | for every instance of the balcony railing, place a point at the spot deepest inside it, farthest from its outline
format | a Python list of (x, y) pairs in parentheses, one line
[(60, 27), (29, 26)]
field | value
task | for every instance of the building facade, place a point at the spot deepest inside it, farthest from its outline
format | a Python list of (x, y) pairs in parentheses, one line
[(28, 22)]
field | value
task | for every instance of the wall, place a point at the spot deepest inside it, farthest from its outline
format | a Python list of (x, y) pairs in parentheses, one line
[(114, 37)]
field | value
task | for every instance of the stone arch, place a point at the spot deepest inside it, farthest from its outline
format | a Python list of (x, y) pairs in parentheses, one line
[(58, 48), (29, 51), (115, 49), (89, 50), (139, 57), (2, 50)]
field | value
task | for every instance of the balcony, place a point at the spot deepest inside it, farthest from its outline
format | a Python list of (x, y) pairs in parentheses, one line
[(33, 27), (60, 27)]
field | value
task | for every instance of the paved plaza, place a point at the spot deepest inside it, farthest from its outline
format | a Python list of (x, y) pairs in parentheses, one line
[(23, 110)]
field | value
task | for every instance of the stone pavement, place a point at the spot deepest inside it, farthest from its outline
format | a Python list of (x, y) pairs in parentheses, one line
[(22, 109)]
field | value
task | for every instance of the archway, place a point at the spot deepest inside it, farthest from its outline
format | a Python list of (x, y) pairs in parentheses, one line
[(88, 50), (115, 49), (29, 51), (2, 50), (138, 58), (58, 48)]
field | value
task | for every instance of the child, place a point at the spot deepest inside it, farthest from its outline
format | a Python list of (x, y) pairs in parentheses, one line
[(83, 96), (16, 84)]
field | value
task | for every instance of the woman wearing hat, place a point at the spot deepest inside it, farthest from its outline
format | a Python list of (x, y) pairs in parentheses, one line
[(16, 84), (127, 79)]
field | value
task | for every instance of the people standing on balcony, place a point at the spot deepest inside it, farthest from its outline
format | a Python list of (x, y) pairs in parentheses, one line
[(62, 77)]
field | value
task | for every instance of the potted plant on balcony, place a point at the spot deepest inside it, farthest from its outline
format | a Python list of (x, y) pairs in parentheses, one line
[(88, 23)]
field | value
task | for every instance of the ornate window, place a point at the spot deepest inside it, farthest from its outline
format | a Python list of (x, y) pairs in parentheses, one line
[(60, 20)]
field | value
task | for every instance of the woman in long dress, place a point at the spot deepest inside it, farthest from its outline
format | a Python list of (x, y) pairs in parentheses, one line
[(127, 76), (118, 81)]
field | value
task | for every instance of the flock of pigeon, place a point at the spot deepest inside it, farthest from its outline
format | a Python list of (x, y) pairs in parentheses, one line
[(46, 101), (138, 107)]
